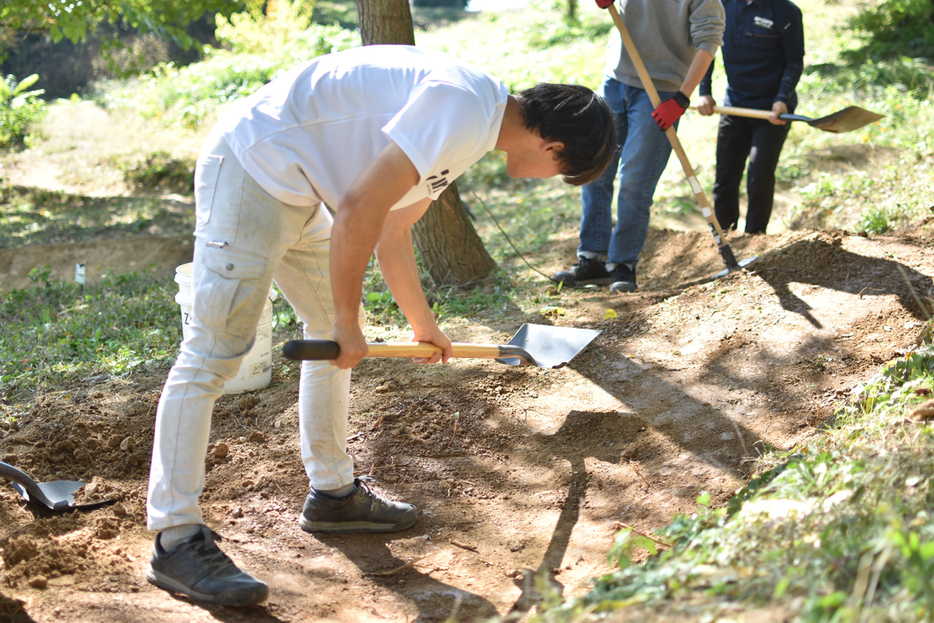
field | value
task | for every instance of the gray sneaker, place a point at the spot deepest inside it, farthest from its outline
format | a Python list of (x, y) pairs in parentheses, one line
[(360, 511), (199, 569), (586, 272)]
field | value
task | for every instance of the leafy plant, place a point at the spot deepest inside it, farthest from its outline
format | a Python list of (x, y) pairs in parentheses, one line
[(876, 220), (18, 109), (258, 30), (190, 95)]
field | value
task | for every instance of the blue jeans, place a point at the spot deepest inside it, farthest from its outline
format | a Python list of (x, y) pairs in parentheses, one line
[(639, 163)]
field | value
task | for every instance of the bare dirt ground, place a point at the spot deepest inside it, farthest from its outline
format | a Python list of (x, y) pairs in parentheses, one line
[(518, 472)]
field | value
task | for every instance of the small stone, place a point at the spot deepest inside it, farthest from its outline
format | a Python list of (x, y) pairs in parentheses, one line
[(127, 444), (257, 437), (237, 512), (221, 450), (10, 458), (40, 581), (247, 402)]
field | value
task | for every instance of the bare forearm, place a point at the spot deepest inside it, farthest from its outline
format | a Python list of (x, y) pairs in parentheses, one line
[(696, 71), (352, 243)]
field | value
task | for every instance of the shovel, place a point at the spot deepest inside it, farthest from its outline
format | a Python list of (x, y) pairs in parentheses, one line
[(846, 120), (58, 495), (532, 345)]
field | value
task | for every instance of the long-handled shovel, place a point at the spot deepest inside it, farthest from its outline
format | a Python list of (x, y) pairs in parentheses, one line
[(532, 345), (57, 495), (846, 120), (726, 252)]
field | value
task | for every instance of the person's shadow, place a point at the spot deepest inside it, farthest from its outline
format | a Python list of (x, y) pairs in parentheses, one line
[(13, 611), (831, 267), (649, 431), (435, 601)]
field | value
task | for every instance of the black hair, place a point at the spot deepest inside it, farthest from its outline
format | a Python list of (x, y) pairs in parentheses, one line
[(577, 117)]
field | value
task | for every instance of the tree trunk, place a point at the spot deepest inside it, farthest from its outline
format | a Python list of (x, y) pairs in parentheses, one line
[(572, 11), (385, 21), (445, 238)]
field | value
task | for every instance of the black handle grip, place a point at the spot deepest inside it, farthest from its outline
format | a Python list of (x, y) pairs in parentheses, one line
[(312, 350)]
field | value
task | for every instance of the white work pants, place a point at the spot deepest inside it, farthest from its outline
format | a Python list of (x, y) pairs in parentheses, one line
[(245, 239)]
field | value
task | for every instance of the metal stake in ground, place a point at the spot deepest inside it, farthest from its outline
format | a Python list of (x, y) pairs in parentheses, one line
[(726, 252)]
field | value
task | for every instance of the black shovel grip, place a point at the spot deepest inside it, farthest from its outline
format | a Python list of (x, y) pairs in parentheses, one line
[(311, 350)]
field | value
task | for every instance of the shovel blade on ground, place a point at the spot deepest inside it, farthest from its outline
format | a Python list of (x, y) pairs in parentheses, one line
[(550, 347), (58, 495)]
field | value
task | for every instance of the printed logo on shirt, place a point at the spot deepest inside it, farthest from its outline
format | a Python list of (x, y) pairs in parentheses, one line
[(762, 22), (437, 183)]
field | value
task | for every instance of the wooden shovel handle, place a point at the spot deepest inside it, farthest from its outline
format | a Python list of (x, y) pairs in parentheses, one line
[(689, 172), (326, 350), (754, 113)]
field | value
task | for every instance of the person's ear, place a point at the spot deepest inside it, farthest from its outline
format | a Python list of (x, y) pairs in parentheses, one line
[(552, 146)]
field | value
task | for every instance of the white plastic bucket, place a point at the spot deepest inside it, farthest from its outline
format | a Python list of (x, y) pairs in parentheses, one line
[(256, 367)]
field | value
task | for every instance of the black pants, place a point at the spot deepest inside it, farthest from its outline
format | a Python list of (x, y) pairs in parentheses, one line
[(739, 138)]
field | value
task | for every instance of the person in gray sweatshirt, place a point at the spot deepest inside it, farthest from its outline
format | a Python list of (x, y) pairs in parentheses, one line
[(676, 40)]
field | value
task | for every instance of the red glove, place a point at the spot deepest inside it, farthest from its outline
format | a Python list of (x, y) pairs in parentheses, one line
[(671, 110), (603, 4)]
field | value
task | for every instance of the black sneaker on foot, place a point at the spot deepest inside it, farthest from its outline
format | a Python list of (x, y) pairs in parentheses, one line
[(361, 511), (586, 272), (199, 569), (623, 279)]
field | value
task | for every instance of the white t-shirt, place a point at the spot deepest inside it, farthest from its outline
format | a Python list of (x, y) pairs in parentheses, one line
[(308, 134)]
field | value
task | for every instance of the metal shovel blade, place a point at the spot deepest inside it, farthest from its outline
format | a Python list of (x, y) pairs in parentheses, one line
[(549, 347), (846, 120), (57, 495)]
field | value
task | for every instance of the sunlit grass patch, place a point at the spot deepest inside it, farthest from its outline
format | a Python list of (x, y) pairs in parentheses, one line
[(55, 331)]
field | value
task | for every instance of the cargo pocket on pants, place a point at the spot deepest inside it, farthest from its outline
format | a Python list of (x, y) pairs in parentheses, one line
[(207, 172), (229, 297)]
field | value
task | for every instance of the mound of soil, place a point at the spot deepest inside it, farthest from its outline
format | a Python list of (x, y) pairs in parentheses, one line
[(519, 472)]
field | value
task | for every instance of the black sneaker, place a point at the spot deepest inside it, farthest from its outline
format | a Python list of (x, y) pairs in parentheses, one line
[(586, 272), (198, 569), (623, 279), (361, 511)]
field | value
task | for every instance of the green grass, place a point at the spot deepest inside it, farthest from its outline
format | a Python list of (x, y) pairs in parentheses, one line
[(55, 332), (30, 216)]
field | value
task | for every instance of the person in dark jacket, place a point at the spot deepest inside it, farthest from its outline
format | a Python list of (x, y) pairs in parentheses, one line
[(763, 55)]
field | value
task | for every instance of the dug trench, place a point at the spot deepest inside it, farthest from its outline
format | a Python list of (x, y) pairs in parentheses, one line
[(522, 475)]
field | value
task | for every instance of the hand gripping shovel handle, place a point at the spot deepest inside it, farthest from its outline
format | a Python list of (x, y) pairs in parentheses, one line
[(725, 251)]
